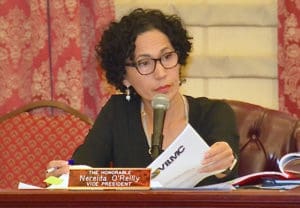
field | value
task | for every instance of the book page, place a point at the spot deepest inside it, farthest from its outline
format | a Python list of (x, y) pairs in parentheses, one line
[(290, 164), (257, 178), (178, 166)]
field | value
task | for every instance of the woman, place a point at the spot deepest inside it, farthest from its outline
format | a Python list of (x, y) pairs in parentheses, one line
[(142, 55)]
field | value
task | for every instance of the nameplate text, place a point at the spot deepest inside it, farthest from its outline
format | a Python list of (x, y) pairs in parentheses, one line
[(109, 178)]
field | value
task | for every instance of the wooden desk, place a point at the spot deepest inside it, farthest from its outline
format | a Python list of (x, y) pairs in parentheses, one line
[(161, 198)]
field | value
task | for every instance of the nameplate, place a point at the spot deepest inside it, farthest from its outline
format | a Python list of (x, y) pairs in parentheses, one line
[(109, 178)]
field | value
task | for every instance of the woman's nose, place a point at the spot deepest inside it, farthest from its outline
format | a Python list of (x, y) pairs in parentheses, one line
[(159, 71)]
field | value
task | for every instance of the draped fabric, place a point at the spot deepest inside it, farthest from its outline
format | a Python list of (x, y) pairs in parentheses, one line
[(47, 53), (289, 56)]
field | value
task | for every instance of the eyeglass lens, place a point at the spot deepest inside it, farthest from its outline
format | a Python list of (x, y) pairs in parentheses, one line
[(148, 65)]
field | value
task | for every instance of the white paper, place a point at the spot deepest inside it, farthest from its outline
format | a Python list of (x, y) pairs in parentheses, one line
[(28, 186), (63, 185), (219, 186), (179, 164)]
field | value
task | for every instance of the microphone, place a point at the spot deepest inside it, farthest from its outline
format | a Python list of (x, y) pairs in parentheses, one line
[(160, 103)]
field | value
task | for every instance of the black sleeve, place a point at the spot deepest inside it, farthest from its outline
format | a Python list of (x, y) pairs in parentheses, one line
[(218, 124), (221, 125), (96, 151)]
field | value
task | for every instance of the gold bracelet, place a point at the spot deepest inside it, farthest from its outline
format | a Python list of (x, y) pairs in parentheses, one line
[(228, 170)]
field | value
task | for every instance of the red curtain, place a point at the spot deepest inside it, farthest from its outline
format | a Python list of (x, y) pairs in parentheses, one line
[(47, 53), (289, 56)]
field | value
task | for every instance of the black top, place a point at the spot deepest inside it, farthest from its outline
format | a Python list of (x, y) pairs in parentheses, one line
[(118, 135)]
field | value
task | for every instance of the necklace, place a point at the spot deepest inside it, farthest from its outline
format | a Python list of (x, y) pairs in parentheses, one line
[(144, 118)]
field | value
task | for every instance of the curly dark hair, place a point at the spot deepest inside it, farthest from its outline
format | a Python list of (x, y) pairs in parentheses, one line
[(118, 41)]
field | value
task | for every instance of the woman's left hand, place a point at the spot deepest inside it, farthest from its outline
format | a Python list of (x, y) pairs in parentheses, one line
[(219, 157)]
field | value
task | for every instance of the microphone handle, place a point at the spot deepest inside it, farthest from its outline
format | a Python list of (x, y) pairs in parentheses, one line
[(156, 147), (157, 136)]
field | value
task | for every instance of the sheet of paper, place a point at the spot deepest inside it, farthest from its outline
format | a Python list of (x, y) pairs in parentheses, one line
[(28, 186), (59, 183), (178, 166), (56, 182), (219, 186)]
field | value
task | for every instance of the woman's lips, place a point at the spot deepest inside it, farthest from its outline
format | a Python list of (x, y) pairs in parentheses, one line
[(163, 89)]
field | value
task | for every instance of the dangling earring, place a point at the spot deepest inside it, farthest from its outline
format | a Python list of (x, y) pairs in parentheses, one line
[(128, 97), (182, 81)]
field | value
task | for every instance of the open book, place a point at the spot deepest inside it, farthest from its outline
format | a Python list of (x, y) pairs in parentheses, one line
[(289, 166), (178, 166)]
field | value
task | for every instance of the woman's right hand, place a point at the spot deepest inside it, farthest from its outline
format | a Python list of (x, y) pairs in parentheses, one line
[(57, 168)]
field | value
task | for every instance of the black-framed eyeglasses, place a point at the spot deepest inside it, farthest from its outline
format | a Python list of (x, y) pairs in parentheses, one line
[(147, 65)]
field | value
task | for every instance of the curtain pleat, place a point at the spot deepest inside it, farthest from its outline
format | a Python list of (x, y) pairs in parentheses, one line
[(47, 53), (289, 56)]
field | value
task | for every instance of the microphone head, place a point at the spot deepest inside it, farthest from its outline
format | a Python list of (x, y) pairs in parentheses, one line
[(160, 101)]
